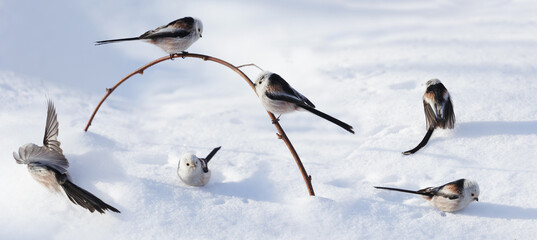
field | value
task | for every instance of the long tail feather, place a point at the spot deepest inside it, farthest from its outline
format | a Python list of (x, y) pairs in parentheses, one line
[(403, 190), (211, 155), (422, 143), (329, 118), (85, 199), (116, 40)]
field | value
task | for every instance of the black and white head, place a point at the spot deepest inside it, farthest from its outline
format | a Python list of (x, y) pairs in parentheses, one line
[(438, 106), (432, 82), (263, 80), (471, 190), (198, 26)]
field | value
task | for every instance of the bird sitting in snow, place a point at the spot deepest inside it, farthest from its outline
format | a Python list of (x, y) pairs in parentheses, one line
[(450, 197), (48, 166), (438, 111), (193, 171)]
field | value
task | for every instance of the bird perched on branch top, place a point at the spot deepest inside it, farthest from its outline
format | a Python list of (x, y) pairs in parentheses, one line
[(438, 111), (194, 171), (450, 197), (48, 166), (174, 37), (278, 97)]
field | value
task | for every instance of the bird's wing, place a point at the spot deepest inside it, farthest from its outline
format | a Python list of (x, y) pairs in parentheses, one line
[(451, 190), (304, 99), (284, 97), (288, 90), (165, 33), (31, 153), (429, 192), (447, 194), (178, 28), (449, 114), (430, 115), (50, 139), (204, 166), (186, 23)]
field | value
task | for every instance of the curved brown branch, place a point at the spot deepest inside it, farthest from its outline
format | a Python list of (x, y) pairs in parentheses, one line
[(281, 133)]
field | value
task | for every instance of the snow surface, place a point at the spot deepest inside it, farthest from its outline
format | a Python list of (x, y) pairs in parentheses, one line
[(364, 62)]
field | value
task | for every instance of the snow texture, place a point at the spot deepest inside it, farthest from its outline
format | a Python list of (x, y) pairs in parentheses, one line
[(364, 62)]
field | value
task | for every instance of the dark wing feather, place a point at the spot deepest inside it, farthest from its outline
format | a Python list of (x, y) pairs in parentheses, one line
[(286, 98), (204, 166), (429, 192), (451, 190), (178, 28), (171, 34), (446, 195), (51, 130), (33, 154), (430, 117), (186, 23), (290, 90), (449, 114)]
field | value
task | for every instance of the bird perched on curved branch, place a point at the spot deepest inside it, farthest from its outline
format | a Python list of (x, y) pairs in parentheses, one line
[(450, 197), (278, 97), (174, 37), (48, 166), (438, 111)]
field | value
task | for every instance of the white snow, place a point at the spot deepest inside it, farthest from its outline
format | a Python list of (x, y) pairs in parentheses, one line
[(364, 62)]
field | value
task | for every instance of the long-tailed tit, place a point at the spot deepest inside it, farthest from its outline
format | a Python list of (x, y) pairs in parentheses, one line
[(194, 171), (278, 97), (450, 197), (438, 111), (174, 37), (48, 166)]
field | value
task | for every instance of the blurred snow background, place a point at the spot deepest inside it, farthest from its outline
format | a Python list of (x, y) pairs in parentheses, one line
[(364, 62)]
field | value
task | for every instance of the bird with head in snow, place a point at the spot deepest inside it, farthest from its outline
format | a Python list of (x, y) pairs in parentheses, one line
[(450, 197), (174, 37), (48, 166), (194, 171), (278, 97), (438, 111)]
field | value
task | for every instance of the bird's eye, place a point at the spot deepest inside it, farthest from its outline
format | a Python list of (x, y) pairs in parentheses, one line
[(199, 29), (473, 195), (188, 164)]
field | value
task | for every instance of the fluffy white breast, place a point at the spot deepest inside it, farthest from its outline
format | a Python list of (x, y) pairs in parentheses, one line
[(191, 172)]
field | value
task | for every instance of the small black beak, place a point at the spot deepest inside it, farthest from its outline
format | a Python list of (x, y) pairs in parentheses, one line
[(476, 199)]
